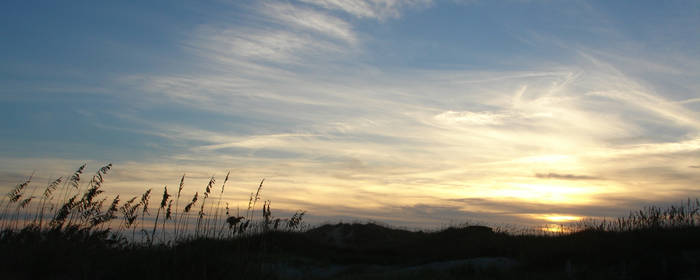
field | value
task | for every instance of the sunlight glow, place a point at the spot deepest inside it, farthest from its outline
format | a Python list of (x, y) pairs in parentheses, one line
[(546, 193), (561, 218), (547, 159), (553, 228)]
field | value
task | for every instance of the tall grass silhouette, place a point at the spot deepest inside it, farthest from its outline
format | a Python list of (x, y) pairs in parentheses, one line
[(82, 209)]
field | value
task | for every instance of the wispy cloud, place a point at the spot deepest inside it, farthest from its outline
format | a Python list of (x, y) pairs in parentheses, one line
[(471, 118), (279, 141), (689, 101), (565, 176), (650, 149), (310, 19), (277, 33), (376, 9), (271, 46), (624, 88)]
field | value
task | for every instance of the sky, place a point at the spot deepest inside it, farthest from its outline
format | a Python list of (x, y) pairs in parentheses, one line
[(415, 113)]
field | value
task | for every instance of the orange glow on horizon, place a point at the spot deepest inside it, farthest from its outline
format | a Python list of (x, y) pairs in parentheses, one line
[(561, 218), (552, 228)]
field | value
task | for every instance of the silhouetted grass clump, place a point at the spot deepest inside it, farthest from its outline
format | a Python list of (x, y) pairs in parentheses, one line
[(680, 216), (83, 209)]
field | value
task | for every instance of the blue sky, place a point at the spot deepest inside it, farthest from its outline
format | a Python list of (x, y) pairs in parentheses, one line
[(412, 112)]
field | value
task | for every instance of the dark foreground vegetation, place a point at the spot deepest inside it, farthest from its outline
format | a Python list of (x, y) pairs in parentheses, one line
[(359, 251), (96, 242)]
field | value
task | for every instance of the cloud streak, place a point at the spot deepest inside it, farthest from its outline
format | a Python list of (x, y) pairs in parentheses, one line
[(565, 176), (309, 19), (375, 9)]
